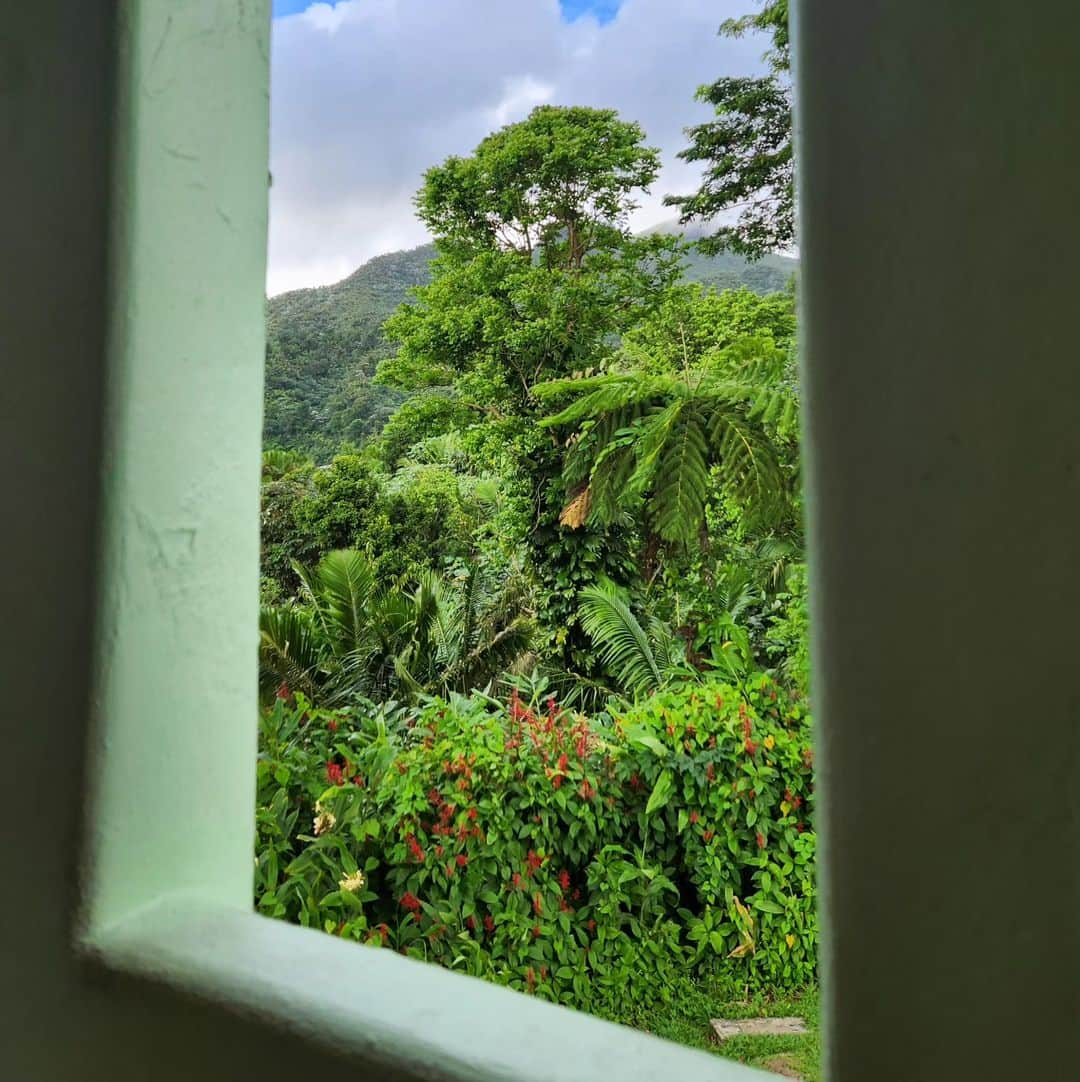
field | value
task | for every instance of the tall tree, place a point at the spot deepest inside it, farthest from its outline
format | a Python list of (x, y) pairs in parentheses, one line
[(747, 148), (537, 276)]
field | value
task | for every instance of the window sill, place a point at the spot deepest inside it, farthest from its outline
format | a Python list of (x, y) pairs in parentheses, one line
[(381, 1010)]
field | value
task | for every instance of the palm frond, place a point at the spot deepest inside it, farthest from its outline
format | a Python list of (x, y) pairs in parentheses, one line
[(624, 645)]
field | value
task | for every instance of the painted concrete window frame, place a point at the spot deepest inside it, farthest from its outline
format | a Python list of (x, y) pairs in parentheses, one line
[(170, 829)]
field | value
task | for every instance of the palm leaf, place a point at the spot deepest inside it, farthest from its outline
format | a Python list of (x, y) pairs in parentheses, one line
[(623, 643)]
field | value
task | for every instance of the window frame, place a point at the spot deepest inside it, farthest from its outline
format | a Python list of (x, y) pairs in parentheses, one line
[(169, 830)]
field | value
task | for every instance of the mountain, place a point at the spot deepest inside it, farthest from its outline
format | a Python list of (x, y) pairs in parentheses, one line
[(322, 347), (323, 344)]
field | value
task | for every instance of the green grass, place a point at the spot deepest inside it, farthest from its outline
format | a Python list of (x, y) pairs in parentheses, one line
[(686, 1021)]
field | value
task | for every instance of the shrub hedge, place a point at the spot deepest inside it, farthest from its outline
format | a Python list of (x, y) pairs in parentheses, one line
[(591, 861)]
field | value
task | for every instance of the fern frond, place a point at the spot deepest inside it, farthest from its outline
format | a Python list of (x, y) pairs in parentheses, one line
[(677, 505)]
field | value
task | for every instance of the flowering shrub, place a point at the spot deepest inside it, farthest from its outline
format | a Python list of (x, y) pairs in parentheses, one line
[(589, 861)]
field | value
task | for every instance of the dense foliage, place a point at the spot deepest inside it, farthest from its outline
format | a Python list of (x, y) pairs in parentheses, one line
[(586, 860), (533, 643)]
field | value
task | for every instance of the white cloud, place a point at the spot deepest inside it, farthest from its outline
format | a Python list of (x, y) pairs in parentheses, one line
[(367, 94)]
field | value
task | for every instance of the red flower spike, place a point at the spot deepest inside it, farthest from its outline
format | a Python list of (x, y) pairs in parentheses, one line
[(760, 840), (538, 907), (564, 880), (335, 775), (410, 902), (489, 923), (332, 726), (462, 860), (536, 931), (283, 691), (694, 817)]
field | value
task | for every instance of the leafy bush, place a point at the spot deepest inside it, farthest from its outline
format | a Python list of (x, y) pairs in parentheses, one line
[(594, 862)]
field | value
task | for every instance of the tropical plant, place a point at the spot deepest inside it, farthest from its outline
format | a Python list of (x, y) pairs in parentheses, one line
[(351, 637), (594, 862), (641, 657), (661, 445)]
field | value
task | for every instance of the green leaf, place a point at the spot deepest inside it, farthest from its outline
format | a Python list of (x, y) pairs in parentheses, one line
[(661, 793)]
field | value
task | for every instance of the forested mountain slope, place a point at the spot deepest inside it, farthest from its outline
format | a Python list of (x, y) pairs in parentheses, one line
[(323, 344)]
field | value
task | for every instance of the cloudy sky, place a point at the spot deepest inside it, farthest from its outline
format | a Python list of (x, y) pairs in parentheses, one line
[(368, 93)]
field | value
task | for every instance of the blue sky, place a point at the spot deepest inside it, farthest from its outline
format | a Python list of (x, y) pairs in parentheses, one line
[(603, 10)]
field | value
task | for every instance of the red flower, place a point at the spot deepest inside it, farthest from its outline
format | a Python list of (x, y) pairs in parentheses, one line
[(332, 726), (414, 847), (470, 923), (587, 791), (535, 861), (358, 781), (746, 729), (707, 836), (577, 894), (439, 850), (530, 978), (462, 860), (536, 931), (472, 813), (283, 691), (591, 925), (710, 772), (538, 907), (760, 840), (800, 827), (750, 745), (334, 774), (564, 762), (410, 902), (694, 817), (564, 879), (563, 907), (543, 973), (556, 781), (515, 880), (434, 797)]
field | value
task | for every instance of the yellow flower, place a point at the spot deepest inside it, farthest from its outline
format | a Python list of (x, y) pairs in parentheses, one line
[(352, 882), (324, 820), (770, 742), (790, 940)]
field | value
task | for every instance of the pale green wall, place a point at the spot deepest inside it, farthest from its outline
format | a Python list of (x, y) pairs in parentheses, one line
[(939, 166), (129, 947), (940, 169)]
